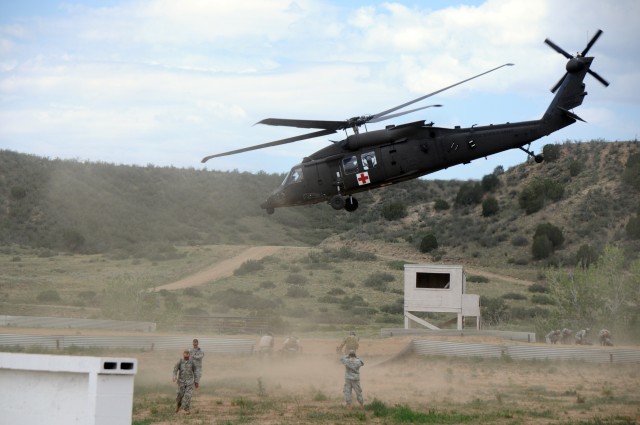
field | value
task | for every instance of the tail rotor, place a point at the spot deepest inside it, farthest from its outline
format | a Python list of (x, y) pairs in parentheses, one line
[(575, 62)]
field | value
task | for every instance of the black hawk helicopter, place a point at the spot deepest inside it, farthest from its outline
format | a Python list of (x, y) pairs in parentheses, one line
[(369, 160)]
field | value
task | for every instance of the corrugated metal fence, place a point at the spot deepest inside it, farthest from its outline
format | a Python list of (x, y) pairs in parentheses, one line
[(510, 335), (142, 342), (526, 352)]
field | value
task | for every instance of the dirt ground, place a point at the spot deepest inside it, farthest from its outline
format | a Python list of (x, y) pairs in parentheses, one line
[(308, 388)]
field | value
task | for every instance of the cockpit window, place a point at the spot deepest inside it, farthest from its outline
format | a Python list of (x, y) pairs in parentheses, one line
[(294, 176), (350, 164), (368, 160)]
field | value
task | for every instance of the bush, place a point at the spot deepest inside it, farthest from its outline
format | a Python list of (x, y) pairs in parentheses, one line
[(575, 167), (469, 194), (586, 256), (550, 152), (542, 299), (494, 310), (441, 205), (477, 279), (378, 281), (297, 292), (490, 207), (633, 228), (519, 240), (490, 182), (631, 173), (428, 243), (542, 247), (49, 295), (296, 279), (247, 267), (553, 233), (538, 288), (514, 296), (394, 210)]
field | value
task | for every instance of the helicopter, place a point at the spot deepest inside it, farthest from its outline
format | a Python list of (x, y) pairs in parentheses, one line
[(368, 160)]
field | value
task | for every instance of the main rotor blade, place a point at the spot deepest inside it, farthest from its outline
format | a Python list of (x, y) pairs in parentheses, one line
[(327, 125), (275, 143), (557, 48), (388, 111), (386, 117), (593, 40), (599, 78)]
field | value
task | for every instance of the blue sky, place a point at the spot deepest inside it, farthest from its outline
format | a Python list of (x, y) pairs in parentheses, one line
[(166, 83)]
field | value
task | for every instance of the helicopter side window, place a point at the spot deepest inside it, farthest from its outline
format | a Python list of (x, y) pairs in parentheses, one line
[(294, 176), (350, 164), (369, 160)]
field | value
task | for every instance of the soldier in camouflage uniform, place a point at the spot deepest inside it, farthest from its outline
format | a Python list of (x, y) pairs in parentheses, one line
[(605, 338), (352, 366), (196, 354), (581, 337), (184, 374), (352, 342), (553, 337), (566, 336)]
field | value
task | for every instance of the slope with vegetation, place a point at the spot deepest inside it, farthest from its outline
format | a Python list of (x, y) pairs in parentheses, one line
[(127, 229)]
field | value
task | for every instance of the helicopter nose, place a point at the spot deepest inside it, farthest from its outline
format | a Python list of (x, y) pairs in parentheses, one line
[(277, 199)]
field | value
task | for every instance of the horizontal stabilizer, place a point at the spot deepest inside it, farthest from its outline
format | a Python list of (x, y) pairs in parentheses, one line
[(571, 114)]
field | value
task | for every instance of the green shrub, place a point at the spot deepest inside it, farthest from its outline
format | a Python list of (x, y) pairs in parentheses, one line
[(490, 182), (248, 266), (633, 228), (296, 279), (538, 288), (553, 233), (490, 207), (631, 173), (551, 152), (441, 205), (297, 292), (586, 256), (394, 210), (542, 299), (542, 247), (48, 295), (477, 279), (514, 296), (428, 243), (469, 194)]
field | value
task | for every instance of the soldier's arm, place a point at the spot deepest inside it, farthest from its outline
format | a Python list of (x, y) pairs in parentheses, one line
[(198, 354), (176, 370)]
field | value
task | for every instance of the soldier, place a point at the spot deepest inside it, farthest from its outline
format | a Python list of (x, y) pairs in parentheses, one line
[(265, 345), (553, 336), (605, 338), (566, 336), (581, 337), (352, 342), (291, 346), (352, 365), (184, 374), (196, 354)]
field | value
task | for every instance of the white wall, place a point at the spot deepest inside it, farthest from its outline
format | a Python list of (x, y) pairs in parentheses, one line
[(65, 390)]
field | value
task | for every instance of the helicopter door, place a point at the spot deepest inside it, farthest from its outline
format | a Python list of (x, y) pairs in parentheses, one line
[(397, 159)]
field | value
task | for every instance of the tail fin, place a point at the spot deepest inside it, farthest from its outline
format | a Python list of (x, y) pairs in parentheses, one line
[(571, 92)]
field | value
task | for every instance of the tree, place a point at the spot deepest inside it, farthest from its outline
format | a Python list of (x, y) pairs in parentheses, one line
[(469, 194), (490, 182), (428, 243), (553, 233), (440, 205), (490, 207), (541, 247), (602, 294), (586, 256)]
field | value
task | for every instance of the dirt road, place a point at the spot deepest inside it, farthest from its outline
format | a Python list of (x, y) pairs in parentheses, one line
[(222, 269)]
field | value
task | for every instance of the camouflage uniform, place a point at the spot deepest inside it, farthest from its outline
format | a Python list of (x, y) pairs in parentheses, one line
[(196, 355), (566, 336), (605, 337), (581, 337), (185, 372), (352, 366), (553, 336), (265, 345), (350, 343)]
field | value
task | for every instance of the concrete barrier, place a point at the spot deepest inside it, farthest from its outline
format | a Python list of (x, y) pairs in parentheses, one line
[(62, 390)]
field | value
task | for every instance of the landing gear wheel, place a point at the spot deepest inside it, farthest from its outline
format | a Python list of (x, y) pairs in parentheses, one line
[(351, 204), (538, 158), (337, 202)]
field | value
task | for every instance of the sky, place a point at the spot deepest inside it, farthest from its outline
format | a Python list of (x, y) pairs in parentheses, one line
[(165, 83)]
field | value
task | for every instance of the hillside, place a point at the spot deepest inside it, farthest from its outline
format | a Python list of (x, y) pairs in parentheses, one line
[(70, 206)]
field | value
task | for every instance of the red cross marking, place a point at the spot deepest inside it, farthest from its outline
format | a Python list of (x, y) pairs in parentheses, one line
[(363, 178)]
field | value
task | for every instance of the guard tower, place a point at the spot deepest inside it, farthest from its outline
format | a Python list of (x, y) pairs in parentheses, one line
[(437, 288)]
